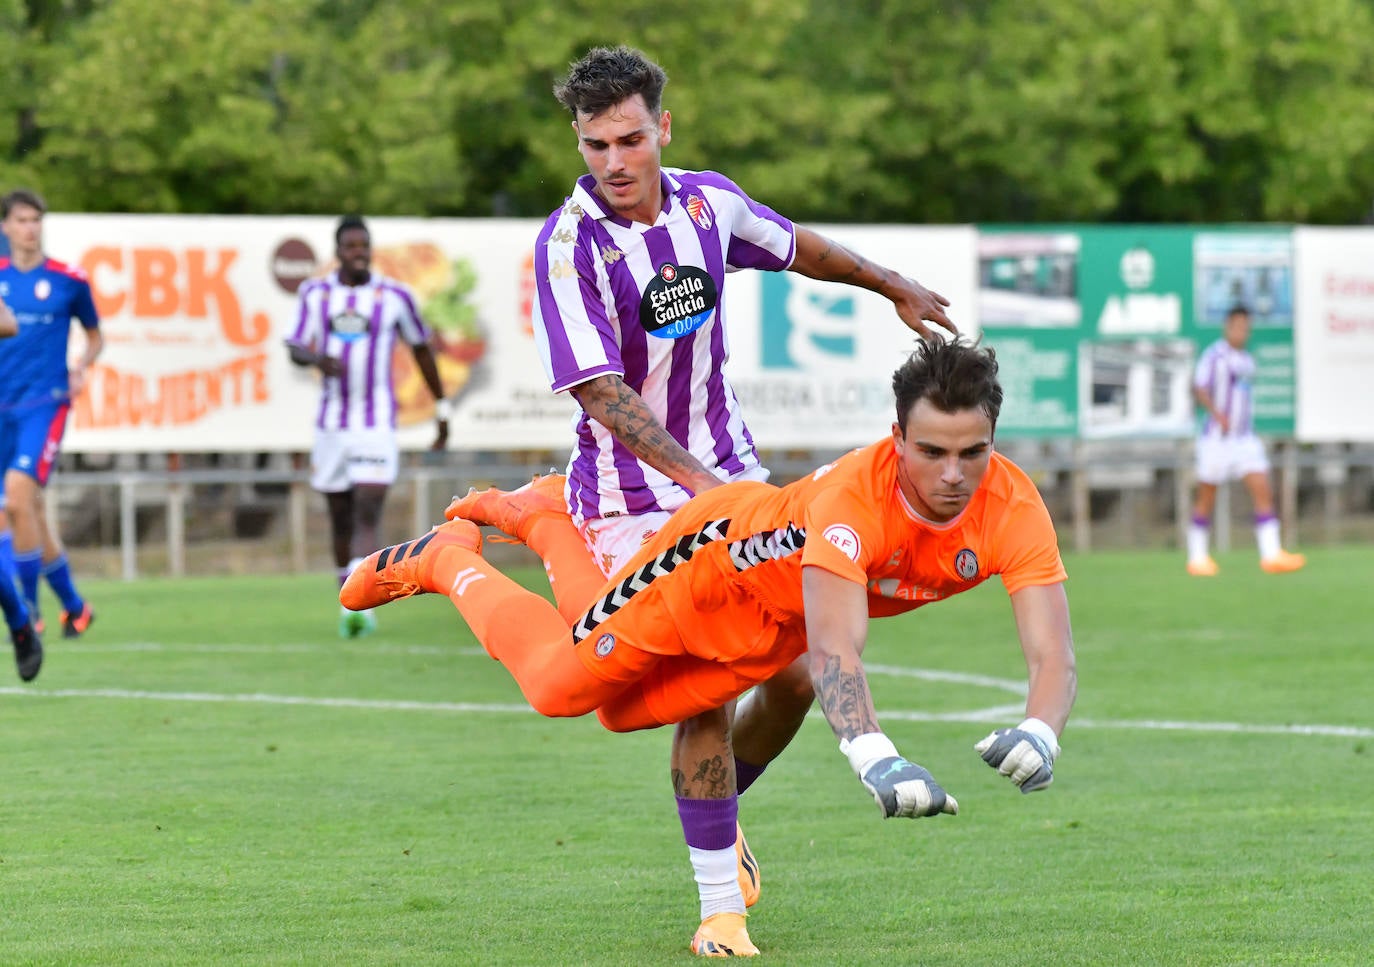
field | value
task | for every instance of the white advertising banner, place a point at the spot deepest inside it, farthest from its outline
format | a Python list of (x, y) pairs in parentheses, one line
[(1334, 334), (195, 311)]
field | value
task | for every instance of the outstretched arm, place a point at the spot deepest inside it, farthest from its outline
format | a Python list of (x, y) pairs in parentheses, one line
[(1025, 754), (836, 628), (608, 400), (820, 258), (9, 326)]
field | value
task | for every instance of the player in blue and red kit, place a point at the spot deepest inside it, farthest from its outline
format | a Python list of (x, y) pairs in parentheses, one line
[(36, 389)]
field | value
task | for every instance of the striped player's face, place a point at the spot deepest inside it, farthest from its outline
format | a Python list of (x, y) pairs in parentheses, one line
[(354, 253), (1237, 330), (622, 147), (943, 458)]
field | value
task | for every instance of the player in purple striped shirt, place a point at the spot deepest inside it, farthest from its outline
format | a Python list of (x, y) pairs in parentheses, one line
[(629, 319), (347, 327), (1227, 448)]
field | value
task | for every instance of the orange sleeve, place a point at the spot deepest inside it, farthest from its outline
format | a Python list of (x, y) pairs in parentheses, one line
[(1027, 546), (843, 534)]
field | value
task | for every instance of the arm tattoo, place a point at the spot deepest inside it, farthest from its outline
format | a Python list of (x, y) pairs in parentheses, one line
[(860, 267), (624, 412), (843, 696)]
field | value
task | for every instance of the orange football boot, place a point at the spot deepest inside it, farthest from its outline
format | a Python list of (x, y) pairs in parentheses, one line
[(405, 569)]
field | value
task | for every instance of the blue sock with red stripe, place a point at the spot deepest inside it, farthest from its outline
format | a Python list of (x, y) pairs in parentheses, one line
[(29, 564), (59, 575), (11, 598)]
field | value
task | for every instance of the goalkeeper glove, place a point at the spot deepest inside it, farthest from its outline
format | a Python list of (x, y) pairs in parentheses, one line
[(1025, 754), (900, 787)]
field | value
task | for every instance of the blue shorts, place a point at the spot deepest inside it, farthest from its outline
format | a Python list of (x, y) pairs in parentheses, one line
[(31, 438)]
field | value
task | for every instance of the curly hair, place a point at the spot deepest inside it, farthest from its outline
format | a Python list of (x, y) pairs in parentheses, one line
[(953, 375), (608, 75)]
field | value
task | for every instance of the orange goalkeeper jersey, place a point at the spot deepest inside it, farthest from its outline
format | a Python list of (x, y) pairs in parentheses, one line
[(860, 527), (848, 517)]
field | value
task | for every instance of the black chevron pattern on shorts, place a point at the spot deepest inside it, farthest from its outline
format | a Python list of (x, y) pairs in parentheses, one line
[(665, 563)]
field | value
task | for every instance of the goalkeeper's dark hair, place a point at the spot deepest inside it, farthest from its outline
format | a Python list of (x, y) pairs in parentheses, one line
[(953, 375), (608, 75), (349, 222)]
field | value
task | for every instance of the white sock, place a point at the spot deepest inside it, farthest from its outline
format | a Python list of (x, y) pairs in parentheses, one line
[(1198, 537), (717, 875), (1267, 537)]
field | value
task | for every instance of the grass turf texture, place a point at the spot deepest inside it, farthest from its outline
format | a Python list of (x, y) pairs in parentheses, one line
[(212, 776)]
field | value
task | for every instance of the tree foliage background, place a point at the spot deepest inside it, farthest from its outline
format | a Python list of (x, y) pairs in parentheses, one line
[(873, 110)]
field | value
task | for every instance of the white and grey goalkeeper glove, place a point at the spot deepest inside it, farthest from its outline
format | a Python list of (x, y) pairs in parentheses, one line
[(1025, 754), (900, 787)]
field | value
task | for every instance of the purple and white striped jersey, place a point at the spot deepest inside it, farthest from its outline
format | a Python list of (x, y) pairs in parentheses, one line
[(1226, 373), (645, 302), (358, 325)]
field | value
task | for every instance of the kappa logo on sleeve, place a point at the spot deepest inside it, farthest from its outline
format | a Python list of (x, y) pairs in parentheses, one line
[(845, 539)]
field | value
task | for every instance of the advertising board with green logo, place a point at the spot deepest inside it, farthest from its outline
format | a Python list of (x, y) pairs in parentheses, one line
[(1098, 328)]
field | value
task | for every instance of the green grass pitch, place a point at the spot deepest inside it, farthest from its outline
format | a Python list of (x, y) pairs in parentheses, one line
[(212, 776)]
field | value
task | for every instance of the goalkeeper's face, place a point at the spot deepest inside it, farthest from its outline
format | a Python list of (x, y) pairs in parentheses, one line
[(942, 458), (623, 147)]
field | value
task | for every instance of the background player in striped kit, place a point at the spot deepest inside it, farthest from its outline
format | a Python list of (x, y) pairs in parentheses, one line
[(1227, 448), (347, 328), (630, 274), (37, 385)]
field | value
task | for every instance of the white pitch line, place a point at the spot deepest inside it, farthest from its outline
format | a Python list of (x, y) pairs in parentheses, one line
[(469, 651), (975, 717), (261, 698)]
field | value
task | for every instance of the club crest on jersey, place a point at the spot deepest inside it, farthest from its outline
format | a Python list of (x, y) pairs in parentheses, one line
[(677, 301), (348, 325), (966, 564), (605, 645), (42, 289), (845, 539), (696, 207)]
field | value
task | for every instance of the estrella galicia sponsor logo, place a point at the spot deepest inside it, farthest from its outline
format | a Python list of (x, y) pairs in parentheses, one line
[(605, 645), (348, 325), (677, 301), (966, 564)]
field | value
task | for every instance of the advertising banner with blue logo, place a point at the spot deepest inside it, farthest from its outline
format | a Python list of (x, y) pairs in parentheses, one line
[(1099, 328)]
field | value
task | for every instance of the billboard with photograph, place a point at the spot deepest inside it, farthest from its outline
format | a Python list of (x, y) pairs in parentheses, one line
[(1098, 327)]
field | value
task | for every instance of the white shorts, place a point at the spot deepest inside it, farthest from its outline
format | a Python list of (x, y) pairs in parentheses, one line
[(614, 540), (1229, 458), (343, 459)]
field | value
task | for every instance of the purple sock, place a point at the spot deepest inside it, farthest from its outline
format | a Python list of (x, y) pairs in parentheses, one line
[(709, 823), (746, 773), (1264, 519), (1201, 521)]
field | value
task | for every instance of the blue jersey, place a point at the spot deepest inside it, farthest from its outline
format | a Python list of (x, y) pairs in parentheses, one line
[(45, 300)]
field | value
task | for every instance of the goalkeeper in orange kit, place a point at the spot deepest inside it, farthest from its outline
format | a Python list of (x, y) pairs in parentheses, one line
[(776, 573)]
